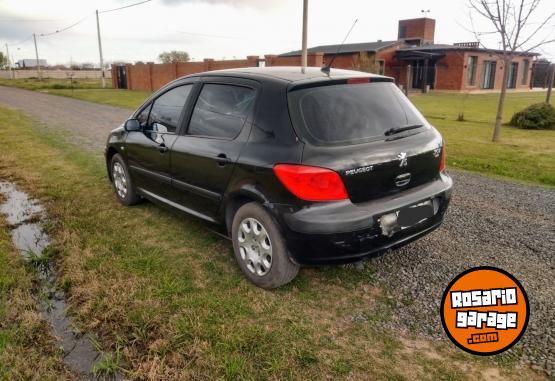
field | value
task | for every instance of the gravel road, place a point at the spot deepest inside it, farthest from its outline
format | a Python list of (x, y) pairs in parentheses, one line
[(81, 122), (490, 222)]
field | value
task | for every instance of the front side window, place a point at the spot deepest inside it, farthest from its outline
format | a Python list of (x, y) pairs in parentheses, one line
[(221, 111), (143, 115), (166, 109)]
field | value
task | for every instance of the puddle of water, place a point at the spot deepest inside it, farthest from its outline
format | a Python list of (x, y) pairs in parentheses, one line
[(24, 216)]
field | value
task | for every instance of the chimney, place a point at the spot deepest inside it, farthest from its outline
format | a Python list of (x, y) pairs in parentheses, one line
[(417, 31)]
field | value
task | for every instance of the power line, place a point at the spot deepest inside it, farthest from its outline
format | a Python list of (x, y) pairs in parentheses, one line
[(22, 41), (66, 28), (127, 6)]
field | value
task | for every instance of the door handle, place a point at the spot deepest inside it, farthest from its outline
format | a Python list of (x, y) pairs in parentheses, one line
[(222, 159), (162, 148)]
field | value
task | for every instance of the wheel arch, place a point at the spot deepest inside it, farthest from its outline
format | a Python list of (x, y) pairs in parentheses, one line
[(110, 152), (237, 199)]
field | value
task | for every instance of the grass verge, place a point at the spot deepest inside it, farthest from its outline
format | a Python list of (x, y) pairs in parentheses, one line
[(524, 155), (27, 351), (164, 293)]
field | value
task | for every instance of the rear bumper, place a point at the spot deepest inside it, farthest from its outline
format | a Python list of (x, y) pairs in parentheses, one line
[(342, 232)]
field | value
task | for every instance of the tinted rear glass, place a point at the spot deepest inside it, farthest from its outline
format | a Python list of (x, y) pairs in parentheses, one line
[(350, 113)]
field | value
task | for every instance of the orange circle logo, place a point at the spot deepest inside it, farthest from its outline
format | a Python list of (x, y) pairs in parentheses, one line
[(485, 311)]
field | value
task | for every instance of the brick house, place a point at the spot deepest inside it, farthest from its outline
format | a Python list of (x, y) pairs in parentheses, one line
[(416, 61)]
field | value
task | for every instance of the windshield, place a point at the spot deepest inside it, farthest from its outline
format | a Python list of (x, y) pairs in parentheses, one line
[(351, 113)]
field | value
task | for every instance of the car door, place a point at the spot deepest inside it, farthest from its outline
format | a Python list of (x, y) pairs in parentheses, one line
[(148, 149), (203, 158)]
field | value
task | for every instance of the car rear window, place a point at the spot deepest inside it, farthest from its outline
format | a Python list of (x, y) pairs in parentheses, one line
[(350, 113)]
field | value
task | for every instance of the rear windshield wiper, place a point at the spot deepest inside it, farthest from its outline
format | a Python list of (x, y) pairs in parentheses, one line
[(396, 130)]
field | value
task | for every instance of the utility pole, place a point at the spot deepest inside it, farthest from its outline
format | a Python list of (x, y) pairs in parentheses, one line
[(100, 52), (37, 56), (550, 82), (10, 68), (304, 58)]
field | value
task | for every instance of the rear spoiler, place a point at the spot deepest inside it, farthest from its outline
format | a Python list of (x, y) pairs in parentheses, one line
[(338, 81)]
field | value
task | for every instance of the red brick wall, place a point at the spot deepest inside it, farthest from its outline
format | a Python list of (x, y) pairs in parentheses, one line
[(423, 28), (162, 74), (449, 71), (151, 77), (349, 61), (315, 59)]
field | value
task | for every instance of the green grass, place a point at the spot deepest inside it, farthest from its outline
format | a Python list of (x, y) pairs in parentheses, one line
[(165, 293), (524, 155)]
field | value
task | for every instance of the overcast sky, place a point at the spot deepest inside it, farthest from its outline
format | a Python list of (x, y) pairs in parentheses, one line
[(221, 28)]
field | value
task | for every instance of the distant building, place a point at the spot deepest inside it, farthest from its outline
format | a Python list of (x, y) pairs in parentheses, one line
[(416, 61), (31, 63)]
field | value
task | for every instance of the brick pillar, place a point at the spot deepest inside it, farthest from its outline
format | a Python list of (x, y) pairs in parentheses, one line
[(270, 58), (129, 76), (208, 64), (151, 87), (316, 59), (252, 61)]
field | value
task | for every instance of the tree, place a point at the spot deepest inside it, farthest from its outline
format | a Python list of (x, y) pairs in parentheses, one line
[(174, 56), (514, 24), (3, 61)]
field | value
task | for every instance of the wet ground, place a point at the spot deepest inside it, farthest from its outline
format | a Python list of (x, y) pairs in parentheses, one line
[(25, 216)]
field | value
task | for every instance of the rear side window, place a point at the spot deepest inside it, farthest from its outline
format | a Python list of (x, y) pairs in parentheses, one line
[(350, 113), (221, 111), (167, 108)]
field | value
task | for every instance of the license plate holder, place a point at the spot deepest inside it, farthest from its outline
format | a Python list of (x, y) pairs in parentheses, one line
[(412, 215)]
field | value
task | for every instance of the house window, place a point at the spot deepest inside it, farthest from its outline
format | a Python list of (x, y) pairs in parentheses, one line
[(471, 70), (381, 67), (513, 72), (525, 70), (488, 75), (402, 31)]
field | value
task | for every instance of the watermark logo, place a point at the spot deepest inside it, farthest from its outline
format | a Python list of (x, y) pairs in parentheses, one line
[(485, 311)]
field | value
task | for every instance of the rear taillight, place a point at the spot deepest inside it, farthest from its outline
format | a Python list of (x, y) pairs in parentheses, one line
[(311, 183), (442, 160)]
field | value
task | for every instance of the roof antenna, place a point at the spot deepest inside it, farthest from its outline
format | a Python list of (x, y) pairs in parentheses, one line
[(326, 68)]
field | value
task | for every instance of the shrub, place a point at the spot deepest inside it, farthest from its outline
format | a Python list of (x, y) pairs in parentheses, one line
[(59, 86), (539, 116)]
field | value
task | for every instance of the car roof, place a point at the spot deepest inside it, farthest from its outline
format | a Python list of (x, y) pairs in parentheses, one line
[(290, 74)]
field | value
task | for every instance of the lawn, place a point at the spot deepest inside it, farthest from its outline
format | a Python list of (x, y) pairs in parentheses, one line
[(522, 155), (165, 292)]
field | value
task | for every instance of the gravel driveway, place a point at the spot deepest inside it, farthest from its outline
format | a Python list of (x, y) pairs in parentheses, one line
[(490, 222), (82, 122)]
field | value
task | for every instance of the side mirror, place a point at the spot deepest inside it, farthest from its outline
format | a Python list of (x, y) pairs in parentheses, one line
[(132, 125)]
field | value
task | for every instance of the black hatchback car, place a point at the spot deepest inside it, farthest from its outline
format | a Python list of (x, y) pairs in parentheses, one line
[(299, 168)]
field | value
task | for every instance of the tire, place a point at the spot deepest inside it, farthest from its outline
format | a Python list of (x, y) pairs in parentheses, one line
[(122, 183), (265, 262)]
